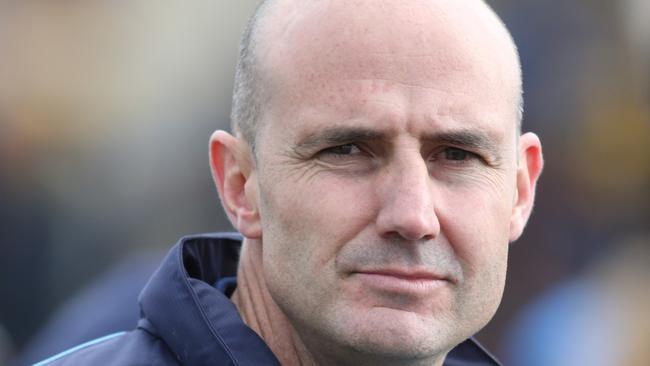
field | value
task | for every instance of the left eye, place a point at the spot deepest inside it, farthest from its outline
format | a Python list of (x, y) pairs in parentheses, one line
[(456, 154)]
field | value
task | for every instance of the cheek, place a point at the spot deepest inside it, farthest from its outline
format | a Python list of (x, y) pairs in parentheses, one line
[(311, 219), (476, 222), (305, 225), (318, 207)]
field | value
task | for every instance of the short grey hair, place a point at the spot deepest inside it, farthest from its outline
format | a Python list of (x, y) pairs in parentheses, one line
[(248, 92)]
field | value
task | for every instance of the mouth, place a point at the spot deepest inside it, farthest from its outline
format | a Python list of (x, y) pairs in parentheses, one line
[(401, 281)]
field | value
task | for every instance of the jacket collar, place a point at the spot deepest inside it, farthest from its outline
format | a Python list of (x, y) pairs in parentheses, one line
[(202, 326), (199, 323)]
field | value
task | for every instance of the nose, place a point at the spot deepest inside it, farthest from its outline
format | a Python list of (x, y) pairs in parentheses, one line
[(407, 202)]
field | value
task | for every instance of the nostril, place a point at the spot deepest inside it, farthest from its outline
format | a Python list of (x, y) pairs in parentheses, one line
[(409, 227), (428, 237), (407, 237), (416, 234)]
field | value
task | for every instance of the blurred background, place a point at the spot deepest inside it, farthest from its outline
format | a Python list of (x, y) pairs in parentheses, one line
[(106, 108)]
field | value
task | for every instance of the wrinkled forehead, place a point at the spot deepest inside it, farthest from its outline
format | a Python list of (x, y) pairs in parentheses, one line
[(456, 47)]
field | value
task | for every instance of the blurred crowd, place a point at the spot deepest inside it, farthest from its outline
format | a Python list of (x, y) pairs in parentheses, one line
[(106, 108)]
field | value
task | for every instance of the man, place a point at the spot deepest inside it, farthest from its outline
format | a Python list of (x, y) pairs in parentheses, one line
[(377, 175)]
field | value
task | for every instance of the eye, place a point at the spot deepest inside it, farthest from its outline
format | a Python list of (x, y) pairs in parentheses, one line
[(456, 154), (342, 150), (349, 157)]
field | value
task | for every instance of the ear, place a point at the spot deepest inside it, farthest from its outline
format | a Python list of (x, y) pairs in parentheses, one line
[(529, 168), (231, 162)]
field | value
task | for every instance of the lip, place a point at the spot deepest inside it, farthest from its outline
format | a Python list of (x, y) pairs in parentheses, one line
[(401, 281), (404, 275)]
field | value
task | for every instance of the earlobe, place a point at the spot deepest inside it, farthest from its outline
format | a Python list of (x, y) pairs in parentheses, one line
[(528, 172), (234, 176)]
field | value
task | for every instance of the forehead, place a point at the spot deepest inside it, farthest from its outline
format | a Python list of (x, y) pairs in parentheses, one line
[(429, 57)]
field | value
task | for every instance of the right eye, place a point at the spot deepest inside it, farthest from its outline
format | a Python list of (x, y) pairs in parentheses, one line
[(342, 150)]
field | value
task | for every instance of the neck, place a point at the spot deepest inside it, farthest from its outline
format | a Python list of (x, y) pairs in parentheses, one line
[(262, 314)]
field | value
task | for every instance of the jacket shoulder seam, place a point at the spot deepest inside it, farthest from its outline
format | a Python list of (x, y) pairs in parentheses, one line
[(78, 348)]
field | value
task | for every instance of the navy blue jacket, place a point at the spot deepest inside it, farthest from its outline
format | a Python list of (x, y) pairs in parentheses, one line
[(187, 318)]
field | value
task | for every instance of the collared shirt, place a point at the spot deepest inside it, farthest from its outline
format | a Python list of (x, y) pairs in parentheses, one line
[(186, 317)]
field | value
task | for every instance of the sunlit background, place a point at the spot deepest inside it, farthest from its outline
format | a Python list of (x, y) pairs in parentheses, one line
[(106, 108)]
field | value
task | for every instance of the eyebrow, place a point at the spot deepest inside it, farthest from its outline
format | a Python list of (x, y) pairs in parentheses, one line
[(340, 135), (475, 140)]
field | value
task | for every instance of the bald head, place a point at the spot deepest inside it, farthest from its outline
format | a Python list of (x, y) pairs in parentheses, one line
[(287, 43)]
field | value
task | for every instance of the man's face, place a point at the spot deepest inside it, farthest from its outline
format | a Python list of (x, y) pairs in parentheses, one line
[(386, 174)]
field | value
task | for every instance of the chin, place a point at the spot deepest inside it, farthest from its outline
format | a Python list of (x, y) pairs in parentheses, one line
[(399, 334)]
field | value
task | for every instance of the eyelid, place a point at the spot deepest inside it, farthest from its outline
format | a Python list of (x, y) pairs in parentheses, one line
[(362, 146), (361, 160), (470, 154), (330, 150), (462, 149)]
